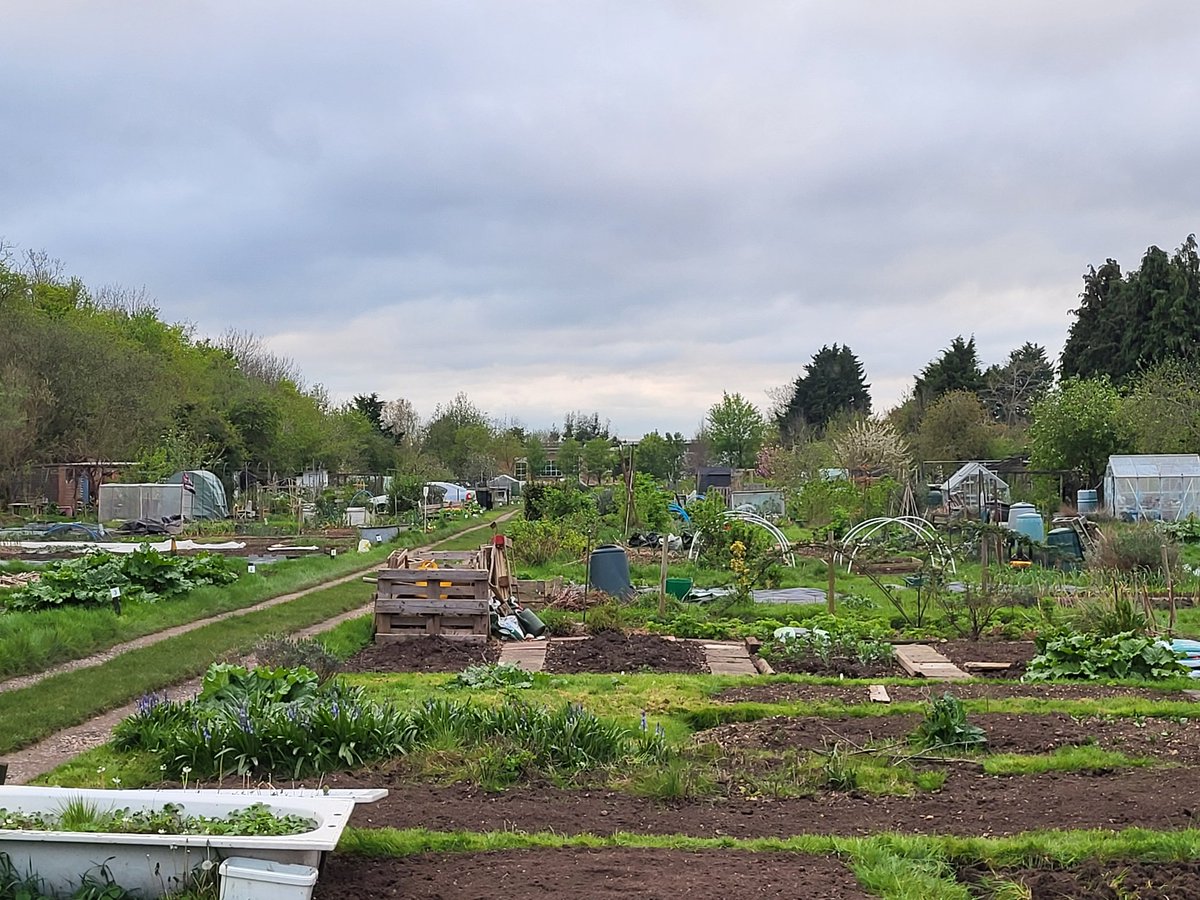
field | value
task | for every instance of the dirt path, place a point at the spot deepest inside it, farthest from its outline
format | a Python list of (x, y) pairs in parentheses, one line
[(26, 764)]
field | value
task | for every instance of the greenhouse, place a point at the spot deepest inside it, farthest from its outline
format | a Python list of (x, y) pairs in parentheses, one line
[(974, 488), (1156, 487)]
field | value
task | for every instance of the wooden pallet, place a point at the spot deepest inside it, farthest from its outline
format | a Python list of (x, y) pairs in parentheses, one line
[(417, 603)]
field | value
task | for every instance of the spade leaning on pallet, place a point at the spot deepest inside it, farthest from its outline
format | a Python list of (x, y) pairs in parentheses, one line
[(459, 595), (509, 620)]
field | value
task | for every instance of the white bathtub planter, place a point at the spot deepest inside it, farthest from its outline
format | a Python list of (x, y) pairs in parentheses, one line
[(156, 863)]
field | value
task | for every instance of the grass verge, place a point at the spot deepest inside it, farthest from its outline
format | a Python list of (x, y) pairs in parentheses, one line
[(73, 697)]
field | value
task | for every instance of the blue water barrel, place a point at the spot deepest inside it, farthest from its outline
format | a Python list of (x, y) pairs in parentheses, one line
[(1032, 526), (608, 571), (1019, 509), (1086, 501)]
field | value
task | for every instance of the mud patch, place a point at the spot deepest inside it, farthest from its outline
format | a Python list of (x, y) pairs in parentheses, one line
[(783, 692), (430, 654), (1165, 739), (1096, 881), (572, 872), (612, 651)]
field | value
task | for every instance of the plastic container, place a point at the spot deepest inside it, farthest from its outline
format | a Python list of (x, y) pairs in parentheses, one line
[(1019, 509), (378, 534), (679, 588), (1032, 526), (609, 571), (1087, 502), (243, 878), (530, 623)]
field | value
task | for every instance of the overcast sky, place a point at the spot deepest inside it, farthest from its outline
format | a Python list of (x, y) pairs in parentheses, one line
[(625, 207)]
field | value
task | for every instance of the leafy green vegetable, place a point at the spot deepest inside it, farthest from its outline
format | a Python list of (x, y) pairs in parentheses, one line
[(145, 575), (945, 727), (1075, 655)]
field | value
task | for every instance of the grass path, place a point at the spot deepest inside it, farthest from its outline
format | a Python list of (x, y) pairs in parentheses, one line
[(59, 747)]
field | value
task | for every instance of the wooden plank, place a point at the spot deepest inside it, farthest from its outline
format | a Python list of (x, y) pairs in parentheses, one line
[(390, 637), (420, 606), (411, 576), (1191, 695), (987, 666), (877, 693)]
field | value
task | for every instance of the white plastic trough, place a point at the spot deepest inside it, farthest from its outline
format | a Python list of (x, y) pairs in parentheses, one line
[(156, 863)]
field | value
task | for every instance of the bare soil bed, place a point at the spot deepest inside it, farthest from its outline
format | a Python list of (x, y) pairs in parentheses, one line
[(832, 668), (599, 873), (613, 651), (1165, 739), (1016, 653), (1100, 881), (429, 654), (970, 803), (777, 692)]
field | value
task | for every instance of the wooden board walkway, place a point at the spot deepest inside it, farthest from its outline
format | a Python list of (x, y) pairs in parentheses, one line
[(722, 657), (923, 661), (728, 658), (530, 656)]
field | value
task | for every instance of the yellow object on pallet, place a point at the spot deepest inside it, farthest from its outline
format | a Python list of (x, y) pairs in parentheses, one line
[(432, 564)]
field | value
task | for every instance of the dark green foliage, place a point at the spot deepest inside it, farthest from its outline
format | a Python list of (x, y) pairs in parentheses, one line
[(735, 430), (1128, 321), (232, 685), (945, 727), (957, 369), (832, 385), (1078, 425), (372, 407), (543, 541), (662, 455), (490, 676), (145, 575), (335, 728), (243, 729), (533, 496), (1079, 656)]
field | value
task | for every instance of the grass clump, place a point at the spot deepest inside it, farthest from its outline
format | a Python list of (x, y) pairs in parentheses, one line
[(1087, 758)]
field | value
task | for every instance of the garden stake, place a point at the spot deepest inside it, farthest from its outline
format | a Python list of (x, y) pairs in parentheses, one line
[(662, 581), (829, 595)]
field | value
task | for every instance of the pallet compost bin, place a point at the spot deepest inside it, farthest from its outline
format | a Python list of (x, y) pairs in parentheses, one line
[(413, 603), (261, 879)]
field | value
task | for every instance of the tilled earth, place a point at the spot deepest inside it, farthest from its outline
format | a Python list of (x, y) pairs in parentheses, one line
[(1172, 740), (427, 654), (782, 692), (591, 873), (613, 651), (969, 803), (1016, 653), (1100, 881)]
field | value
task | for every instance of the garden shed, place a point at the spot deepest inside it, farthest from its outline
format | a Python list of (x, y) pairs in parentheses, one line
[(973, 488), (1152, 486)]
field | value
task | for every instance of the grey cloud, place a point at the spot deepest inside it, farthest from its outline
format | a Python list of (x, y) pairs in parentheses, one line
[(663, 187)]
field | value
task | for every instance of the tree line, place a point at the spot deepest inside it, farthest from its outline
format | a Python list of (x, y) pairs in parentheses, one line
[(97, 374)]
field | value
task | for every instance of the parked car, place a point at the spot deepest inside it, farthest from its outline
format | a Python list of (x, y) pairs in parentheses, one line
[(449, 494)]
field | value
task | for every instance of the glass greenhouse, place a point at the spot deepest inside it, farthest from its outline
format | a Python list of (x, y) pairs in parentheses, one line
[(1158, 487), (973, 488)]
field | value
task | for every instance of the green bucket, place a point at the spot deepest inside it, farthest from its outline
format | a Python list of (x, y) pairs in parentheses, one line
[(679, 587)]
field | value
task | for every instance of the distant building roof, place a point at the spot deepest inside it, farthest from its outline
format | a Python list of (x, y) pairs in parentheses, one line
[(1154, 465)]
